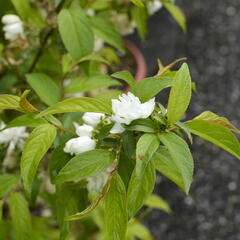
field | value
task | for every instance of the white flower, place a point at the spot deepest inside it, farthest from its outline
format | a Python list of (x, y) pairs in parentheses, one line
[(97, 182), (98, 44), (12, 137), (129, 108), (79, 145), (84, 130), (154, 6), (122, 23), (92, 118), (13, 26)]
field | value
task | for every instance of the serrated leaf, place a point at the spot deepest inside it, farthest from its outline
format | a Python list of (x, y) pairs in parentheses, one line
[(180, 94), (7, 183), (166, 166), (45, 87), (27, 120), (83, 104), (149, 87), (104, 29), (85, 165), (88, 83), (216, 134), (140, 189), (75, 32), (181, 156), (37, 144), (9, 102), (20, 215), (155, 201), (177, 14), (116, 209), (125, 76), (147, 145)]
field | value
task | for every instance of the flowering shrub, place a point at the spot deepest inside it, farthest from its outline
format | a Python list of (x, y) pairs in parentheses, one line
[(74, 148)]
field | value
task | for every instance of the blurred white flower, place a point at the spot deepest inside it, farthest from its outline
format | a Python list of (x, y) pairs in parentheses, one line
[(122, 23), (13, 26), (92, 119), (90, 12), (98, 44), (79, 145), (84, 130), (13, 138), (97, 182), (129, 108), (153, 6)]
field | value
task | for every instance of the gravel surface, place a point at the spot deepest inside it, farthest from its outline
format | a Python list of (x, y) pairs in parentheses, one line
[(212, 211)]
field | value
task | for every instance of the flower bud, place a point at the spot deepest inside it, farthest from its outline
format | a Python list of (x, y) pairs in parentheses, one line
[(84, 130), (92, 118), (79, 145)]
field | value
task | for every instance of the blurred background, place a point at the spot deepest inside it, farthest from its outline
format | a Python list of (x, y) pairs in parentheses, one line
[(212, 210)]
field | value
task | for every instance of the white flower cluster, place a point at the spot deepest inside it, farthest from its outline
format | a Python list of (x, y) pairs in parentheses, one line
[(153, 6), (13, 26), (129, 108), (13, 138), (84, 142)]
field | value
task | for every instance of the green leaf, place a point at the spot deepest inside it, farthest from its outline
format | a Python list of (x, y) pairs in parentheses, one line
[(85, 165), (75, 32), (138, 3), (20, 215), (164, 164), (104, 29), (37, 144), (108, 95), (66, 203), (177, 14), (181, 156), (149, 87), (147, 145), (154, 201), (125, 76), (140, 189), (140, 16), (142, 125), (88, 83), (83, 104), (180, 94), (58, 160), (27, 13), (216, 134), (1, 209), (45, 87), (9, 102), (7, 183), (185, 129), (136, 229), (212, 117), (27, 120), (116, 210)]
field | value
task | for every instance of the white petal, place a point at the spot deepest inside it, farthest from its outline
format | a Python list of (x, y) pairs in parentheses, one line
[(10, 18), (92, 119), (148, 108), (117, 128), (15, 28), (84, 130)]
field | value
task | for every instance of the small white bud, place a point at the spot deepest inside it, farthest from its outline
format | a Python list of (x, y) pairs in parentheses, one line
[(92, 119), (84, 130)]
